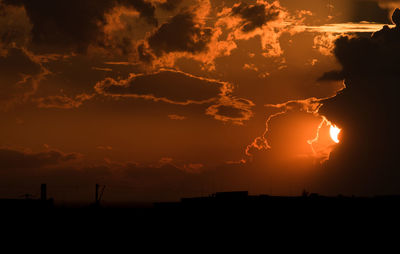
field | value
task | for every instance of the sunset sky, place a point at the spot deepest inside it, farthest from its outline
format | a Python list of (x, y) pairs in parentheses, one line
[(162, 99)]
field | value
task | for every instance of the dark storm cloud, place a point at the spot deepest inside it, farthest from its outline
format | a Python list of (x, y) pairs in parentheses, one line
[(331, 76), (168, 86), (255, 16), (73, 24), (181, 34), (15, 27), (369, 11), (14, 159), (367, 109)]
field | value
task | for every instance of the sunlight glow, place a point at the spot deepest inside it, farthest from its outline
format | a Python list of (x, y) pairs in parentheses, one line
[(334, 131)]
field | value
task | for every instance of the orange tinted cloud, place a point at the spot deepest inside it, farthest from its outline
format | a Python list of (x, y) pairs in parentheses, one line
[(62, 101), (21, 74), (15, 159), (232, 110), (122, 31), (176, 117), (187, 35), (325, 43), (266, 20), (179, 88), (217, 39), (79, 32), (169, 86)]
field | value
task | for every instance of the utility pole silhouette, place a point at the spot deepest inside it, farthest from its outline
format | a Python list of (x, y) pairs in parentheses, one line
[(43, 192)]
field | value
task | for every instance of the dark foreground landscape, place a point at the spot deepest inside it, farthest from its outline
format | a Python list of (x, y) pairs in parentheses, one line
[(217, 214), (232, 202)]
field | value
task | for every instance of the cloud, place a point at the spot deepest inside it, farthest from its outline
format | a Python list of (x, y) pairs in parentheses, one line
[(73, 25), (262, 19), (179, 88), (20, 74), (180, 34), (62, 101), (21, 70), (332, 76), (169, 86), (324, 43), (362, 56), (15, 30), (176, 117), (122, 31), (15, 27), (188, 34), (200, 33), (255, 16), (367, 109), (122, 28), (14, 159), (232, 110)]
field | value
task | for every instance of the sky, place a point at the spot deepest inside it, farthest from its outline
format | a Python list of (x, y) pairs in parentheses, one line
[(163, 99)]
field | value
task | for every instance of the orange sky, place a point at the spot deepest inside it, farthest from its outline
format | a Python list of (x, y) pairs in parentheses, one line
[(163, 99)]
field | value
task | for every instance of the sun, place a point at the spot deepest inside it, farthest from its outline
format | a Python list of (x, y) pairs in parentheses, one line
[(335, 131)]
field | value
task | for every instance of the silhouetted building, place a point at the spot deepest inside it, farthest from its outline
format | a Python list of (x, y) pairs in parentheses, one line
[(28, 202), (242, 201)]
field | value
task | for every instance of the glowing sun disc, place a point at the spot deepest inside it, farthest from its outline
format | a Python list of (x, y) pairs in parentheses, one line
[(334, 131)]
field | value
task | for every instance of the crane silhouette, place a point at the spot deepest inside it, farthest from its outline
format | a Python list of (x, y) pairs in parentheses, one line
[(99, 194)]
